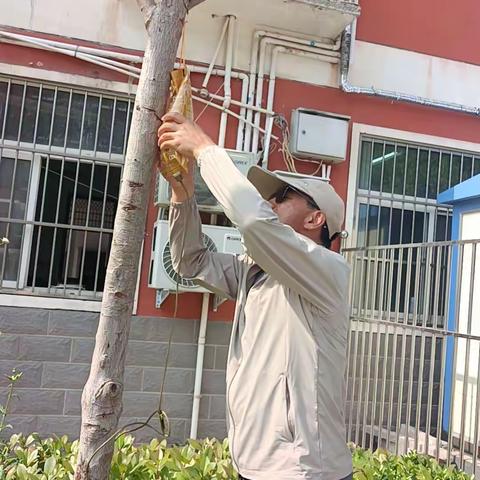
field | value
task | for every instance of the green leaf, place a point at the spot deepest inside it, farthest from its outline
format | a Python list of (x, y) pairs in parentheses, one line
[(50, 464)]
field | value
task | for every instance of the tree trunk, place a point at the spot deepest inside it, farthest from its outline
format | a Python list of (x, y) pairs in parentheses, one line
[(102, 395)]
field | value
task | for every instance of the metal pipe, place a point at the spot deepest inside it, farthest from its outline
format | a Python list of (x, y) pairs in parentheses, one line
[(214, 58), (199, 366), (227, 84), (16, 37), (347, 87)]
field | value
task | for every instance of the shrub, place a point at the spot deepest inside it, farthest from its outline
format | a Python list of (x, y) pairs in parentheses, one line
[(31, 458)]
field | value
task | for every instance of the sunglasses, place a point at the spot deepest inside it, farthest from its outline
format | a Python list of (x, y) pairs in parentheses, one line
[(282, 195)]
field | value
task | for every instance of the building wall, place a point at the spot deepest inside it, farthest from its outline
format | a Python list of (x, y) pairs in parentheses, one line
[(53, 349)]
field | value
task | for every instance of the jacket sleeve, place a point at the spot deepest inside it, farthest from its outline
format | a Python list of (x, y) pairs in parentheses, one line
[(319, 275), (218, 272)]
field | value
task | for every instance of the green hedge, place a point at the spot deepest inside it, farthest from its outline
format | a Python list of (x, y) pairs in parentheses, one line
[(31, 458)]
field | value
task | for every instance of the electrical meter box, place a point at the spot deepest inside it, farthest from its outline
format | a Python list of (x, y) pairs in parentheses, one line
[(318, 135)]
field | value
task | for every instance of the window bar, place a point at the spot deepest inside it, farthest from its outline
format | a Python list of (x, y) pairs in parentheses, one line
[(62, 170), (356, 256), (404, 345), (392, 197), (100, 102), (364, 334), (37, 115), (361, 324), (22, 108), (381, 192), (350, 359), (56, 223), (102, 226), (369, 192), (24, 226), (5, 114), (54, 108), (435, 220), (387, 347), (445, 336), (413, 344), (9, 215), (402, 218), (126, 132), (424, 322), (89, 203), (427, 188), (431, 378), (372, 326), (104, 197), (461, 169), (39, 231), (473, 247), (415, 197), (477, 421), (82, 123), (70, 230), (380, 328), (455, 352), (97, 127)]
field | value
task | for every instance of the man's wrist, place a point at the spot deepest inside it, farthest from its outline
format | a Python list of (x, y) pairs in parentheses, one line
[(198, 151)]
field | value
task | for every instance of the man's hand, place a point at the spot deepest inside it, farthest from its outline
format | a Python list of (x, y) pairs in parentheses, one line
[(182, 135), (185, 137)]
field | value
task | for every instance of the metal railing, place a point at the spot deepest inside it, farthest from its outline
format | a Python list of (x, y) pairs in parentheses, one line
[(413, 378), (61, 160)]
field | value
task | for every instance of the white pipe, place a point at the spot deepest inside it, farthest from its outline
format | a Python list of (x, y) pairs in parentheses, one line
[(214, 96), (254, 58), (129, 70), (233, 114), (305, 51), (77, 48), (227, 84), (197, 390), (271, 88), (243, 110), (214, 59)]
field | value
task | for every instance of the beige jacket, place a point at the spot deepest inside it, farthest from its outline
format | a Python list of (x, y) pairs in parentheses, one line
[(287, 355)]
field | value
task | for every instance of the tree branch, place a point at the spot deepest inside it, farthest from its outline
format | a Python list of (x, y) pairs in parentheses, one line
[(146, 7), (194, 3)]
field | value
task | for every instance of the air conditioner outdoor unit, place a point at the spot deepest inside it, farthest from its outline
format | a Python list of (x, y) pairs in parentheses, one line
[(162, 276), (205, 199)]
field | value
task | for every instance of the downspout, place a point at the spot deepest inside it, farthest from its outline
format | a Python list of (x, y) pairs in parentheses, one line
[(347, 87)]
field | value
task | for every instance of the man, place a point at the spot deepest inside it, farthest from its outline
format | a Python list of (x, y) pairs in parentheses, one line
[(287, 355)]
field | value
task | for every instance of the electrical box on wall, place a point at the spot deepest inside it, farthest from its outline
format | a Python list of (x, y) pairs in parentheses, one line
[(318, 135)]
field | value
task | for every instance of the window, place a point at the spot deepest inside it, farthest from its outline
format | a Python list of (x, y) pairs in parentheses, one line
[(61, 157), (398, 186)]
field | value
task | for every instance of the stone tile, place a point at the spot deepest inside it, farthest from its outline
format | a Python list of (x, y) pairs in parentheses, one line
[(221, 354), (136, 404), (209, 357), (20, 424), (133, 378), (73, 400), (178, 380), (8, 346), (55, 349), (213, 382), (156, 329), (147, 353), (32, 373), (204, 406), (35, 401), (23, 320), (218, 333), (212, 429), (48, 425), (183, 355), (73, 324), (218, 407), (178, 405), (82, 350), (65, 375)]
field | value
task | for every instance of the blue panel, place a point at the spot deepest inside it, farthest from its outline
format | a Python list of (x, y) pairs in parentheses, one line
[(469, 189)]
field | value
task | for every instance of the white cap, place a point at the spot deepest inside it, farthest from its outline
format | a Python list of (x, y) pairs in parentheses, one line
[(321, 192)]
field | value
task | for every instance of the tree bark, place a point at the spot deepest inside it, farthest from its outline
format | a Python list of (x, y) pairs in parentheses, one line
[(102, 395)]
